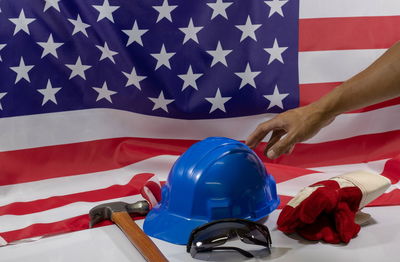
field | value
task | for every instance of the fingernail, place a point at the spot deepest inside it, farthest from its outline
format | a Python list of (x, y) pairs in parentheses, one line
[(271, 154)]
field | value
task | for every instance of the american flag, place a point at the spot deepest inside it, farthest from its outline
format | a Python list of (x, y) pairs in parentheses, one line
[(98, 97)]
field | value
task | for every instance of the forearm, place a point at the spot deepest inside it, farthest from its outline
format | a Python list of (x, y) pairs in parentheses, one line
[(377, 83)]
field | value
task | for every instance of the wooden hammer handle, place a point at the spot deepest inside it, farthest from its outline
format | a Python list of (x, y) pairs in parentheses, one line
[(138, 238)]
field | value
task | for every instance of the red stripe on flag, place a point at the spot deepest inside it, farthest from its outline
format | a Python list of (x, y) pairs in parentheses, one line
[(317, 34), (388, 199), (116, 191), (44, 229), (392, 169), (284, 200), (81, 158), (340, 152), (94, 156), (35, 230), (312, 92), (282, 173)]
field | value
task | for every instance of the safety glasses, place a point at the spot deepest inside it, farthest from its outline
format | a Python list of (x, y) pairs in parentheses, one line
[(213, 235)]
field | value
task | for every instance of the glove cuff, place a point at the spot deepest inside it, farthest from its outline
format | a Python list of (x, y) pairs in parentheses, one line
[(372, 185)]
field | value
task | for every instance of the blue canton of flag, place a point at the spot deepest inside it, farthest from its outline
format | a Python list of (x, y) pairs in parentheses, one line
[(171, 58)]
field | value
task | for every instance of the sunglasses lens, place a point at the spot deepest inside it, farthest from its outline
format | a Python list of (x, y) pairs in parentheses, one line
[(255, 236), (212, 236), (208, 238)]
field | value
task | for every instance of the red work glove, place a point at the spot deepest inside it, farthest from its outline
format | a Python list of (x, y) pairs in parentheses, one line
[(326, 210)]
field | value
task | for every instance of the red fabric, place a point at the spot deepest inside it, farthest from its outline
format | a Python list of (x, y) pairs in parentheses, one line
[(328, 214), (151, 191)]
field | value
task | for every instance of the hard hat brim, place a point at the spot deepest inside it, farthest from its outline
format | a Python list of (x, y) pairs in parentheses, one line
[(162, 224)]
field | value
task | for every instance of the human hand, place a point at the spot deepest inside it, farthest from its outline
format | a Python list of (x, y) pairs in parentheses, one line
[(289, 128), (326, 210)]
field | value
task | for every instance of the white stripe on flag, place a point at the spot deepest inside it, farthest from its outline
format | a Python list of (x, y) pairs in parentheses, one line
[(293, 186), (14, 222), (88, 125), (346, 8), (334, 66), (76, 126), (2, 242), (373, 166), (43, 189), (350, 125)]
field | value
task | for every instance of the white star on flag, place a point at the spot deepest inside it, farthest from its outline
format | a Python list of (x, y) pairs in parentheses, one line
[(51, 3), (22, 70), (104, 92), (191, 32), (21, 23), (105, 11), (1, 48), (163, 58), (248, 29), (276, 6), (248, 77), (217, 102), (276, 98), (79, 26), (49, 93), (219, 55), (1, 97), (50, 47), (78, 68), (133, 78), (161, 102), (190, 79), (106, 52), (219, 8), (164, 11), (135, 34), (275, 52)]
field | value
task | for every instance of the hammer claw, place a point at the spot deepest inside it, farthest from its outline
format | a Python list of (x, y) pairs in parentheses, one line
[(94, 220)]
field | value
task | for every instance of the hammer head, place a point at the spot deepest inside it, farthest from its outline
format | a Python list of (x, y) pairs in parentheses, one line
[(104, 211)]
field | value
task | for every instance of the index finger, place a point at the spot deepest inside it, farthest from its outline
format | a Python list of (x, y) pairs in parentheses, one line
[(261, 131)]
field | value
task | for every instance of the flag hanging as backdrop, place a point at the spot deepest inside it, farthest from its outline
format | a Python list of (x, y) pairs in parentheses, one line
[(97, 97)]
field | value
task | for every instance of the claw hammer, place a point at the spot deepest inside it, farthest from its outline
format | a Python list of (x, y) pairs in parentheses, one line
[(118, 212)]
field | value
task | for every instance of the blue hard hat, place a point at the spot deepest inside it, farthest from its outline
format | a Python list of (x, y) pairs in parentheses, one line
[(215, 178)]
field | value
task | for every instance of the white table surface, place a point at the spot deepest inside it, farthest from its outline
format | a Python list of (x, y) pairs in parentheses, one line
[(377, 241)]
